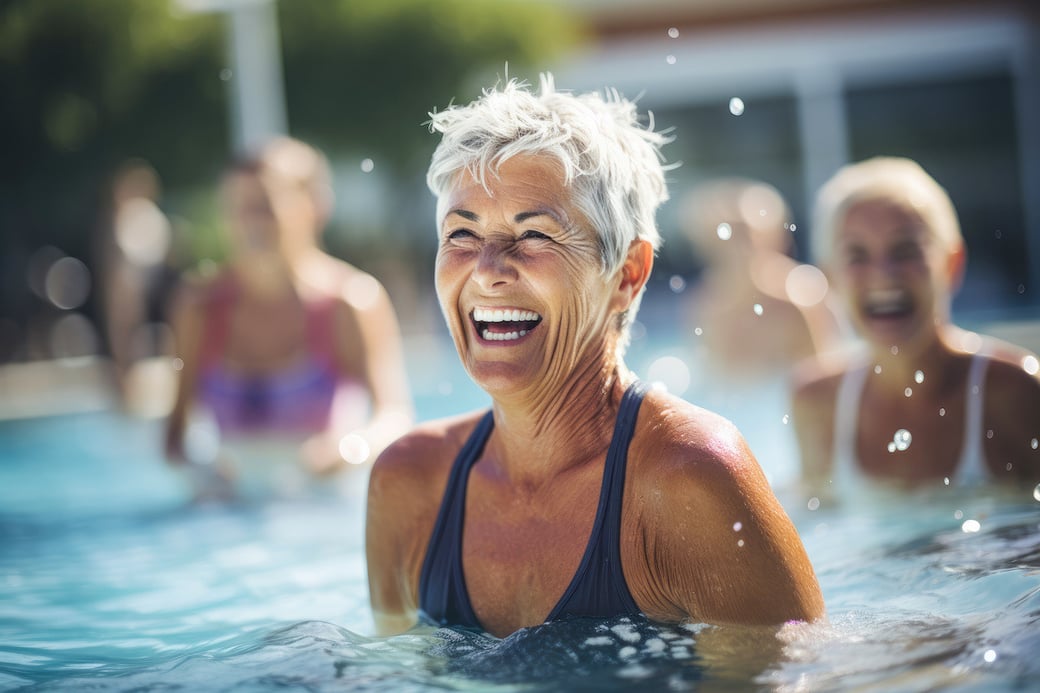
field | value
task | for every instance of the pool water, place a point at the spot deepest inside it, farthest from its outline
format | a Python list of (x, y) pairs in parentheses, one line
[(111, 579)]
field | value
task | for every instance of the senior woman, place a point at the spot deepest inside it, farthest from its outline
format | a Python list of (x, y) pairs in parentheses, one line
[(582, 492)]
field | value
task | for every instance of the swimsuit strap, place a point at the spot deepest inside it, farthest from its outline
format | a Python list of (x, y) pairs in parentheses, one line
[(218, 302), (598, 588), (845, 470), (443, 597), (971, 467), (321, 330)]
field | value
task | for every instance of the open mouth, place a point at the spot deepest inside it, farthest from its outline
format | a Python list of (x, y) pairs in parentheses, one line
[(504, 324), (889, 304)]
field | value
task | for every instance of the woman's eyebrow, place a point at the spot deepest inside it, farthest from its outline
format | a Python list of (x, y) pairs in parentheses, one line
[(524, 216), (464, 213)]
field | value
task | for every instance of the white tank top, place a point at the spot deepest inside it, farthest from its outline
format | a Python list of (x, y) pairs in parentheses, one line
[(847, 474)]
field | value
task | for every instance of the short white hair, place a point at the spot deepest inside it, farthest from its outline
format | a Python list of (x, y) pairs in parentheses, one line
[(893, 179), (611, 163)]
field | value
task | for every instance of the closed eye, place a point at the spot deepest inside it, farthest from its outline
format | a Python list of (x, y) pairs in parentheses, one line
[(460, 234), (534, 235)]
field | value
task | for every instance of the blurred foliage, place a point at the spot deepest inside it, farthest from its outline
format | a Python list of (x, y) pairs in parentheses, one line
[(364, 75), (87, 84)]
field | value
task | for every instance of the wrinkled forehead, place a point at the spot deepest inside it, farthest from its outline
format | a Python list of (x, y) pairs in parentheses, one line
[(525, 181)]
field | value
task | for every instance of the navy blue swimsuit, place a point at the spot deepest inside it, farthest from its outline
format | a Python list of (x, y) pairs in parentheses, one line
[(598, 588)]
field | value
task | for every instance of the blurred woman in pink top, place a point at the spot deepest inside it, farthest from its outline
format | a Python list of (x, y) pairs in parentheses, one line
[(290, 358)]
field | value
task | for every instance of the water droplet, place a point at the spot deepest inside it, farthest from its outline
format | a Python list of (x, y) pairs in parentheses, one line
[(737, 526), (877, 369), (1036, 493), (67, 283), (942, 411), (996, 234), (698, 331), (814, 503), (990, 656), (757, 308), (902, 439), (958, 514), (1034, 443), (724, 231), (806, 285), (676, 283), (908, 391), (354, 449), (919, 377), (1009, 466), (736, 106), (989, 434), (177, 364), (1031, 365), (786, 418), (740, 542), (1021, 288), (894, 350), (794, 227), (670, 371), (225, 74), (891, 446), (946, 480), (670, 59), (367, 165), (971, 526), (673, 32)]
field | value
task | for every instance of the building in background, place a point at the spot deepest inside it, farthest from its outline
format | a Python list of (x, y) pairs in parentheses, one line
[(787, 91)]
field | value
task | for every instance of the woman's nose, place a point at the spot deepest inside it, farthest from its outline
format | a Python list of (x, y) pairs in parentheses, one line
[(494, 266)]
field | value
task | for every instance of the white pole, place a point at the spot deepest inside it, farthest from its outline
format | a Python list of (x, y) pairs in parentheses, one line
[(257, 93)]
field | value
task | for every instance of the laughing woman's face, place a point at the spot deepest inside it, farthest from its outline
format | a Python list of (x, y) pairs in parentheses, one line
[(892, 273), (519, 280)]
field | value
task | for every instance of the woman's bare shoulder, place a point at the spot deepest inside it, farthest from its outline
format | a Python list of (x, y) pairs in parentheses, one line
[(677, 437), (428, 450), (817, 378)]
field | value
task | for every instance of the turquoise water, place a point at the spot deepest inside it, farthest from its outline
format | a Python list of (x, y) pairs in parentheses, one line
[(112, 580)]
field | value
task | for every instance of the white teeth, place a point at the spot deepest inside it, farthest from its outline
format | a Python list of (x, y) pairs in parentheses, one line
[(500, 315), (503, 336)]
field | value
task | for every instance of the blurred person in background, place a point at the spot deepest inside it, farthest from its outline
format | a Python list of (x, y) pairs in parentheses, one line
[(581, 492), (138, 273), (759, 311), (291, 359), (923, 403), (754, 313)]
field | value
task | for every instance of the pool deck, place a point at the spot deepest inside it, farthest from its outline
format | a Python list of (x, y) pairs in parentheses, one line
[(71, 386)]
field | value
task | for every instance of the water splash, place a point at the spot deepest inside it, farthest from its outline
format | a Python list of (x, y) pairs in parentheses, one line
[(900, 441)]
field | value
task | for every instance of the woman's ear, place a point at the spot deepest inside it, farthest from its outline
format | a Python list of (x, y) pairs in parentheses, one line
[(635, 272)]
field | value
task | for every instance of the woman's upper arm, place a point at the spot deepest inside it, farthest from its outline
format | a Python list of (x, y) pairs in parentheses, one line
[(187, 318), (394, 607), (369, 343), (729, 552)]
